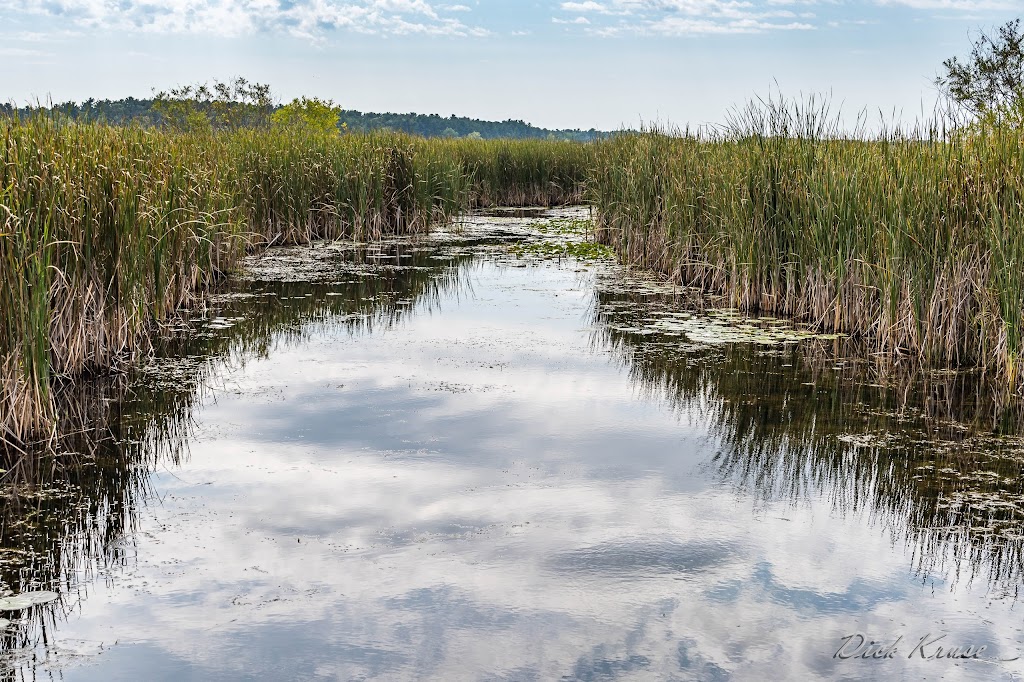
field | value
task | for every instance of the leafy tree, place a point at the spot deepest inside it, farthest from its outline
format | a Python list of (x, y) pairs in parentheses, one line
[(179, 110), (229, 105), (205, 107), (315, 115), (991, 80)]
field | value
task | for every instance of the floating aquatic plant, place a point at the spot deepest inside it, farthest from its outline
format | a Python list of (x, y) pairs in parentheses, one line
[(558, 238), (23, 601)]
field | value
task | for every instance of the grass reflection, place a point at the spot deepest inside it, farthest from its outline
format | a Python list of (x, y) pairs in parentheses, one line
[(935, 458), (69, 504)]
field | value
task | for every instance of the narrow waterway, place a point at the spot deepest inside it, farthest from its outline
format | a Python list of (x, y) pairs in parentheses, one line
[(473, 457)]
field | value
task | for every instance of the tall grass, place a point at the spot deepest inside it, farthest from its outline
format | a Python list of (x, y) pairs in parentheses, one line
[(107, 231), (293, 186), (521, 172), (913, 242), (103, 232)]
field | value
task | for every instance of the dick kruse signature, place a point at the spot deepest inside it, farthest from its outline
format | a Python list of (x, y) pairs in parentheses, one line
[(930, 647)]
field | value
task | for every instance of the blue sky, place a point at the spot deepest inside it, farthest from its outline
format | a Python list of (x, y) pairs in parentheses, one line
[(583, 63)]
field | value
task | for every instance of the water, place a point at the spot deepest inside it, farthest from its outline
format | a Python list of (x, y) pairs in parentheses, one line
[(441, 460)]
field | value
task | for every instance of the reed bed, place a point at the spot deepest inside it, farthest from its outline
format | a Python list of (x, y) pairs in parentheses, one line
[(522, 172), (912, 242), (294, 187), (106, 232), (102, 232)]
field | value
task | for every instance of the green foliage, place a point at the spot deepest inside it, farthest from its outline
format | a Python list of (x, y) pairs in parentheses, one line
[(991, 80), (433, 125), (228, 105), (1008, 114), (313, 115), (910, 241), (172, 109)]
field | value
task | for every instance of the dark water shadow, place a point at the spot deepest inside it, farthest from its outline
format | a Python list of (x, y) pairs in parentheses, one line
[(936, 458), (69, 505)]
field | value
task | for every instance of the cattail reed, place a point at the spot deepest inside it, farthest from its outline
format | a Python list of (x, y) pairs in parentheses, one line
[(106, 232), (911, 241)]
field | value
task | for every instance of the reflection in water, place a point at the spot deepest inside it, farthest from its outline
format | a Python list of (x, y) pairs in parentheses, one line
[(413, 459), (930, 457), (68, 506)]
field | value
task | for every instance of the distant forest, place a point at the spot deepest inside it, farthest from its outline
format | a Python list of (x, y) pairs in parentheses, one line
[(131, 110)]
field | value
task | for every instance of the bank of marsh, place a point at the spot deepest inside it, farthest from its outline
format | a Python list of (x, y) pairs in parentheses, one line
[(106, 231), (910, 242)]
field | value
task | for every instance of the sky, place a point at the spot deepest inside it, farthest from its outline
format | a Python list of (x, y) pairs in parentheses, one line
[(603, 64)]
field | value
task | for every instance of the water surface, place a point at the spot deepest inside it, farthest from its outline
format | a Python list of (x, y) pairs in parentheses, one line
[(451, 459)]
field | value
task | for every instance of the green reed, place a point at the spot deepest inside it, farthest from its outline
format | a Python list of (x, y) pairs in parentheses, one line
[(522, 172), (296, 186), (910, 241), (106, 231)]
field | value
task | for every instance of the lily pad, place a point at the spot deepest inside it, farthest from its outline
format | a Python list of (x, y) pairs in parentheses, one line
[(15, 603), (39, 597), (26, 600)]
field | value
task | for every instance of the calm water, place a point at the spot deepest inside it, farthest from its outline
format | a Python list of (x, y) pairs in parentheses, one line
[(441, 460)]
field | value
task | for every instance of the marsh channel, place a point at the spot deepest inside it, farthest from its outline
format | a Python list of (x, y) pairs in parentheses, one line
[(493, 453)]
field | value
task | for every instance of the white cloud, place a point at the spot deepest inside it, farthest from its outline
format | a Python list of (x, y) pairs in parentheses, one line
[(588, 6), (305, 18), (957, 5), (38, 37), (677, 27), (22, 52), (688, 17)]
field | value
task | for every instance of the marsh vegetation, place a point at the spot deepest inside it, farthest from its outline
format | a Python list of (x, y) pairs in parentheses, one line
[(907, 240), (266, 377), (107, 233)]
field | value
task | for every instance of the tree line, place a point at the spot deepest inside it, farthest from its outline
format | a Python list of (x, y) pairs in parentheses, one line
[(240, 103), (987, 86)]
